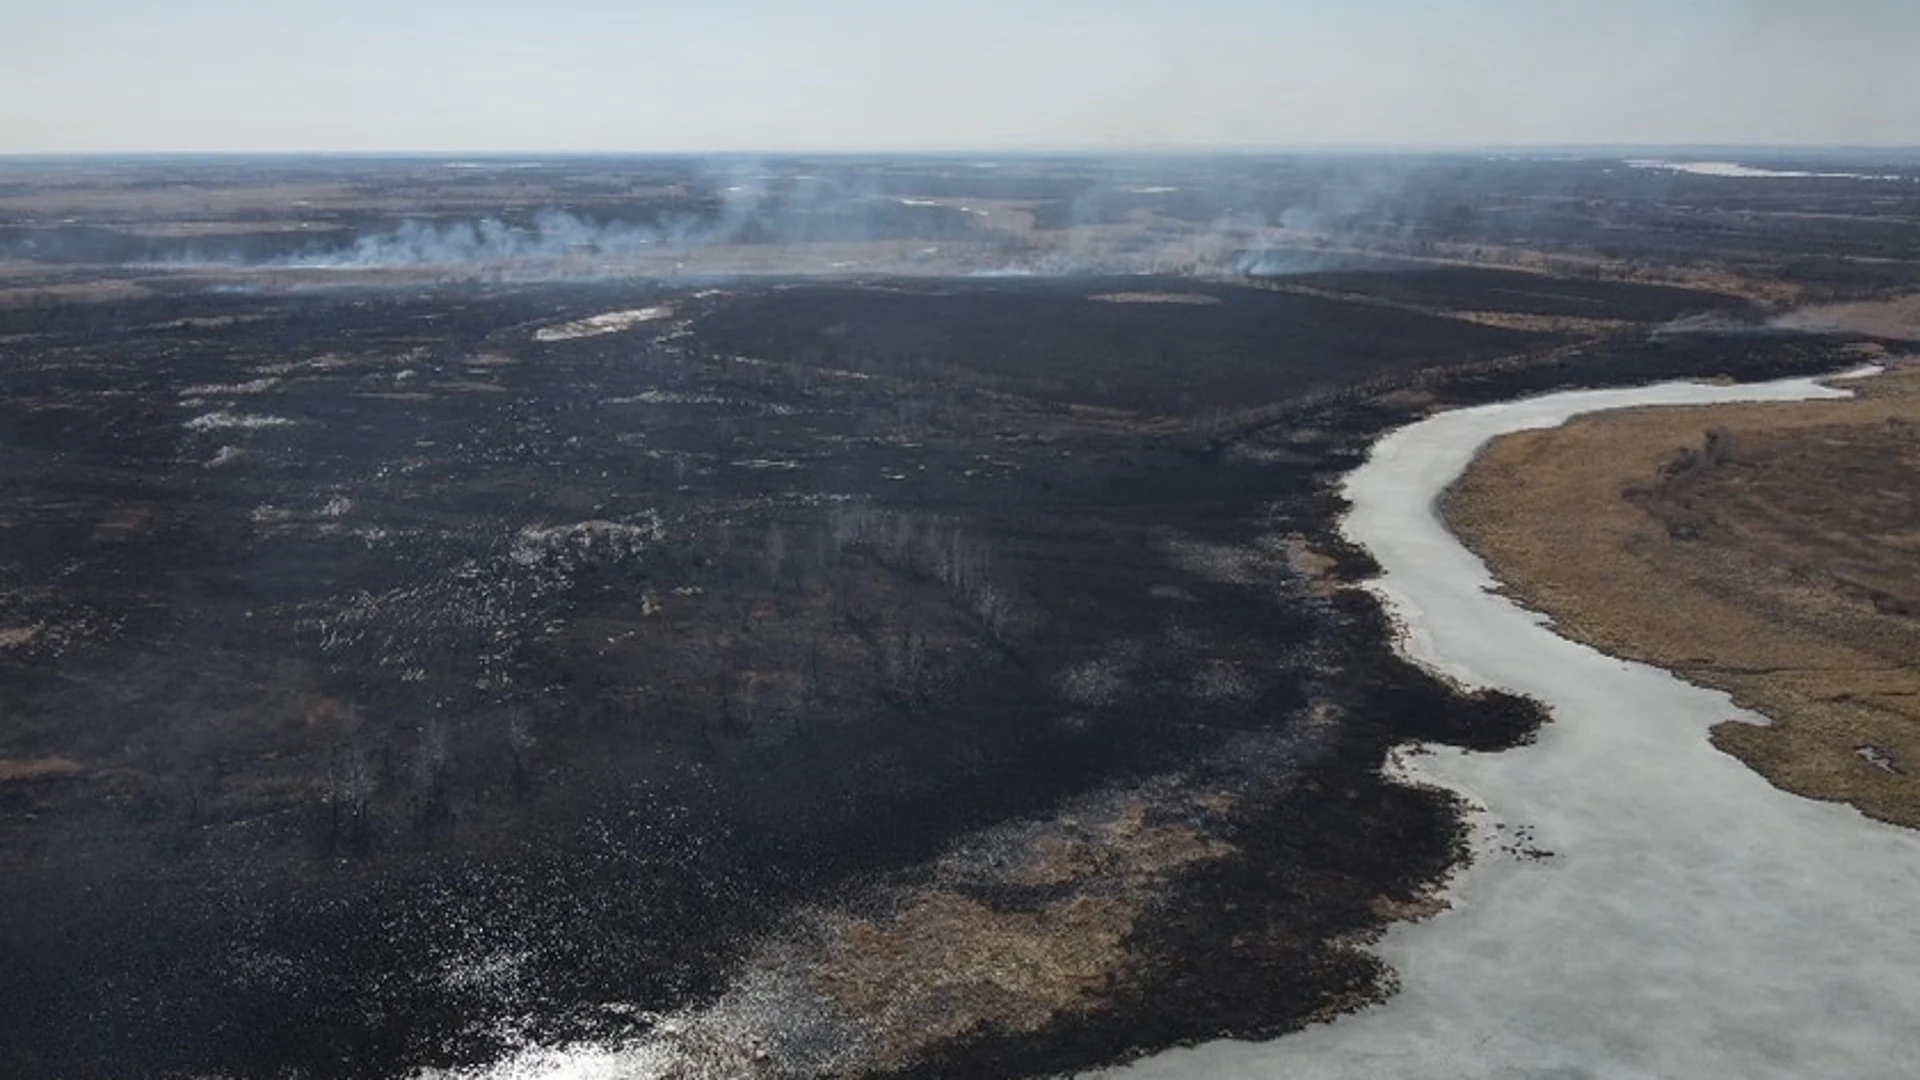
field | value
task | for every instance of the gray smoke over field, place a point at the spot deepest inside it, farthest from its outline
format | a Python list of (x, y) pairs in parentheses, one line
[(1232, 247), (554, 242), (1896, 319), (584, 219), (555, 236), (1031, 217)]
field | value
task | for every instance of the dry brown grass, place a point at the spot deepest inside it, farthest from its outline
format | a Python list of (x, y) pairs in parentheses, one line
[(1783, 567), (1541, 324), (1189, 299), (949, 964), (1898, 318), (1318, 570), (37, 770), (1008, 932), (79, 292), (943, 962)]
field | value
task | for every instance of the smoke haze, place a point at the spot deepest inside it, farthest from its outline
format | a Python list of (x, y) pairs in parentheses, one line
[(859, 74)]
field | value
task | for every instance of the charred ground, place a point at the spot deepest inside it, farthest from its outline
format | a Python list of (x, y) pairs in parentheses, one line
[(394, 676)]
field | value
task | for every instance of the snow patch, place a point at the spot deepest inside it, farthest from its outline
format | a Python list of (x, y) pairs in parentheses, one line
[(610, 322), (674, 397), (224, 420), (253, 386), (1734, 171), (585, 541)]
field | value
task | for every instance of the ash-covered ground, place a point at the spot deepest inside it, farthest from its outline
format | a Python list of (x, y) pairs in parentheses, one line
[(645, 613)]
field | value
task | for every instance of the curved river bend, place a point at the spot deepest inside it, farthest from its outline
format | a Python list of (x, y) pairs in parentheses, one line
[(1692, 920)]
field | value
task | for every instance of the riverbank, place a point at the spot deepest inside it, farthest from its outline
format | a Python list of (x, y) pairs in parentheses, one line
[(1640, 903), (1768, 550)]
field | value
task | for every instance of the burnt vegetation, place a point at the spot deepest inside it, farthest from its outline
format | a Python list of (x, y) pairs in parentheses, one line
[(391, 684)]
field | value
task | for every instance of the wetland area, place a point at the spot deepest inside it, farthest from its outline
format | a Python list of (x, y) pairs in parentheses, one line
[(798, 618)]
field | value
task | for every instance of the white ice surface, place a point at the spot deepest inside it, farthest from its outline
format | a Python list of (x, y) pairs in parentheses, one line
[(1694, 922), (1735, 171)]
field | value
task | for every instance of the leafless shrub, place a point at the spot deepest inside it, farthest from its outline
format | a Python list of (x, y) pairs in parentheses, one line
[(1222, 681), (1099, 682), (350, 788), (434, 755), (933, 548), (904, 665)]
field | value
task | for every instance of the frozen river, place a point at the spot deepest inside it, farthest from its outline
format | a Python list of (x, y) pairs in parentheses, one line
[(1692, 921)]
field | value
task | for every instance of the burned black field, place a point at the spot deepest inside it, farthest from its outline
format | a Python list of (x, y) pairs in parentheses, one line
[(387, 686), (899, 674)]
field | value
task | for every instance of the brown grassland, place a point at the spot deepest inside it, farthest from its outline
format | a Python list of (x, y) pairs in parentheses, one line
[(1769, 550)]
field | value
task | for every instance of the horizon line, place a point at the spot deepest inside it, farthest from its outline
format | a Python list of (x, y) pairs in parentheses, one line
[(1025, 151)]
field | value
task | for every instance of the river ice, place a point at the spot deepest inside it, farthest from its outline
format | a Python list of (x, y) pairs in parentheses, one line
[(1692, 920)]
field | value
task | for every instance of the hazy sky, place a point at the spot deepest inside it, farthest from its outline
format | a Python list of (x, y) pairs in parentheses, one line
[(882, 74)]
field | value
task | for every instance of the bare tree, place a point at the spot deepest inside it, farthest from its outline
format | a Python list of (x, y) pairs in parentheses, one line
[(431, 764), (350, 790), (775, 553), (903, 666)]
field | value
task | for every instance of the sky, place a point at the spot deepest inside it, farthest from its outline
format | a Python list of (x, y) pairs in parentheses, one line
[(761, 75)]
